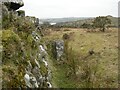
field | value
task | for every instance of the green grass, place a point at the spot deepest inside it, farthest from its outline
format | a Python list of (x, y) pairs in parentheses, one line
[(106, 44), (60, 78), (17, 50)]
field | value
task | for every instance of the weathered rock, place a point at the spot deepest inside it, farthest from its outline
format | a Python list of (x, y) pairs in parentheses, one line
[(21, 13), (45, 62), (13, 4), (8, 16), (49, 77), (91, 52), (49, 85), (35, 77), (33, 82), (30, 81), (36, 37), (37, 63), (33, 20), (43, 52), (27, 80), (58, 49)]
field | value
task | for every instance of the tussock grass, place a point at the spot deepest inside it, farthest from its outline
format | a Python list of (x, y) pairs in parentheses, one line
[(105, 46)]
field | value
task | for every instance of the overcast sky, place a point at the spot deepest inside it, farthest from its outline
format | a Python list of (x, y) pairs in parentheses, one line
[(70, 8)]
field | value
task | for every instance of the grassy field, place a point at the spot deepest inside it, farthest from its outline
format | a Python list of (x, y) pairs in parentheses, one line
[(105, 47)]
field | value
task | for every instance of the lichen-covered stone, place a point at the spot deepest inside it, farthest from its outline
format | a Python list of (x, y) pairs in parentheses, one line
[(41, 74), (36, 37), (58, 49)]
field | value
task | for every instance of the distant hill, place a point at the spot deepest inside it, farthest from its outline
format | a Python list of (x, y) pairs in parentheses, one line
[(114, 21), (78, 23), (59, 20)]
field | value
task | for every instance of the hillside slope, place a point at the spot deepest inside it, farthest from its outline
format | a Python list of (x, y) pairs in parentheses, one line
[(78, 23)]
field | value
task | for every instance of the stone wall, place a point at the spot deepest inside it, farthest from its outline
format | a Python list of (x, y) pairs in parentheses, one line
[(28, 55)]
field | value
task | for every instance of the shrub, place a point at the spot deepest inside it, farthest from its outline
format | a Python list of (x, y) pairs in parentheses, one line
[(5, 17), (66, 36), (21, 13)]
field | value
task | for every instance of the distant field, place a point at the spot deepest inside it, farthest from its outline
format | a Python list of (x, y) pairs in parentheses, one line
[(81, 41)]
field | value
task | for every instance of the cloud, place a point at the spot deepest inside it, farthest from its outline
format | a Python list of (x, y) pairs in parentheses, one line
[(70, 8)]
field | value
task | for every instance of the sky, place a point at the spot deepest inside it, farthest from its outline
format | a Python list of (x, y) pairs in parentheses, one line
[(70, 8)]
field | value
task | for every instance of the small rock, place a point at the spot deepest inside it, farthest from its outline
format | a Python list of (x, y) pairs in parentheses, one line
[(37, 63), (45, 62), (34, 82), (27, 80), (91, 52), (49, 85)]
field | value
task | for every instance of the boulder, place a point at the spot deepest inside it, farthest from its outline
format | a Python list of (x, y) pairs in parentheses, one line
[(13, 4), (58, 49)]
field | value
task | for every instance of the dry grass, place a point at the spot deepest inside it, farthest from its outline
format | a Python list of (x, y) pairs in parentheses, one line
[(104, 43)]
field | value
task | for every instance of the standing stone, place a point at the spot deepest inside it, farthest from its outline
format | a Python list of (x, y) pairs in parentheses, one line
[(58, 49)]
